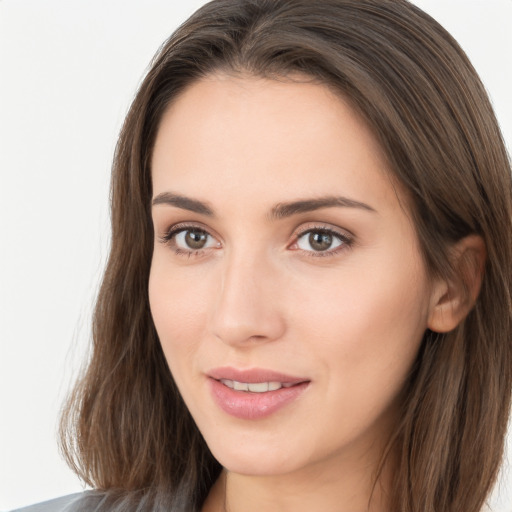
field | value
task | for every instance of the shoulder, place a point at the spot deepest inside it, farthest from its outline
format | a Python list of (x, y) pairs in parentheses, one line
[(114, 501), (80, 502)]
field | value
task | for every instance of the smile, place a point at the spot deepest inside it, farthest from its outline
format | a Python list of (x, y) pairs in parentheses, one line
[(256, 393), (255, 387)]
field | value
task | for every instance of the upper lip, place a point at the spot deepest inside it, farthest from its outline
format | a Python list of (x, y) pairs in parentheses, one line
[(253, 375)]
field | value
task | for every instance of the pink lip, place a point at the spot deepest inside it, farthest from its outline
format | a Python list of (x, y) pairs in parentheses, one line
[(253, 375), (252, 406)]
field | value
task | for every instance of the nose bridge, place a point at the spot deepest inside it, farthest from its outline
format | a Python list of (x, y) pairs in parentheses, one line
[(246, 308)]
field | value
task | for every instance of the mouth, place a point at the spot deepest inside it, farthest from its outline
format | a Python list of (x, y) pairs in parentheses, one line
[(256, 393), (255, 387)]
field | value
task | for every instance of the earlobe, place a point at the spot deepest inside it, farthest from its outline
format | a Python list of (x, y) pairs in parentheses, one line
[(452, 300)]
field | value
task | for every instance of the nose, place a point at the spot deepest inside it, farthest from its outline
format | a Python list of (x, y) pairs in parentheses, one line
[(248, 307)]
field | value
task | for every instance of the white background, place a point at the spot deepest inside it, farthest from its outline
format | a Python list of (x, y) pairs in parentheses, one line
[(68, 70)]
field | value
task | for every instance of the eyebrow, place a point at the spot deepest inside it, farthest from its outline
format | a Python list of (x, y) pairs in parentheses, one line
[(282, 210), (279, 211), (185, 203)]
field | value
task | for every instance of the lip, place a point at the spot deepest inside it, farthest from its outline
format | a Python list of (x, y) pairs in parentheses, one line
[(252, 406), (253, 375)]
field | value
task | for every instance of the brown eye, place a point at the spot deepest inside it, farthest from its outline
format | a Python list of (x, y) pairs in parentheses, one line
[(321, 240), (195, 239), (191, 239)]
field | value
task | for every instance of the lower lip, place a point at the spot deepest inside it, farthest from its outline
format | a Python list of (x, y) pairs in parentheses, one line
[(252, 406)]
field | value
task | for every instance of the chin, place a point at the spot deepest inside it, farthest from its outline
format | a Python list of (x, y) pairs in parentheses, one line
[(254, 461)]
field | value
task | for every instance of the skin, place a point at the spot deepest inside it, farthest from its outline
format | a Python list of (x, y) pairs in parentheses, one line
[(349, 318)]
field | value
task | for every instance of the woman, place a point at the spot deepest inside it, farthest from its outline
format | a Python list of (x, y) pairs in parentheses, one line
[(307, 302)]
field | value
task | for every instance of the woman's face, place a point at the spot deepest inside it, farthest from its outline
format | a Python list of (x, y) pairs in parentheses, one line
[(286, 286)]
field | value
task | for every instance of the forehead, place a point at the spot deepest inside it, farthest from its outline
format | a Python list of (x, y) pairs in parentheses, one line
[(245, 136)]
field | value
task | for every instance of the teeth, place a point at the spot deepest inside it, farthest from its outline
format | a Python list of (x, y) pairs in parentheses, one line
[(258, 387), (240, 386), (254, 387)]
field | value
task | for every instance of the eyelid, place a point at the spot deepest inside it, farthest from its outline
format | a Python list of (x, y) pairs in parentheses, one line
[(169, 237), (173, 229), (345, 236)]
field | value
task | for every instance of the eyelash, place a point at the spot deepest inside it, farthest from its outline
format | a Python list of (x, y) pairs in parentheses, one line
[(346, 240), (169, 239)]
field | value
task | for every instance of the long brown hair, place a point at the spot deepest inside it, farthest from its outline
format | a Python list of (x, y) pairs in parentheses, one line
[(126, 429)]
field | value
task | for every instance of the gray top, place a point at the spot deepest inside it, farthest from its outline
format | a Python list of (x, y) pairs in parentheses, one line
[(114, 501), (70, 503)]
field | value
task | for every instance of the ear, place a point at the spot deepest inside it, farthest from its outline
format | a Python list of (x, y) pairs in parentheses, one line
[(452, 300)]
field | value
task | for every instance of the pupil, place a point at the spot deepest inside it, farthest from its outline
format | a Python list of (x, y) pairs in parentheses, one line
[(196, 239), (320, 241)]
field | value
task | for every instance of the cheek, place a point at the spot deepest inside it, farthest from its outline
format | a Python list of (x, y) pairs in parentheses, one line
[(366, 301), (367, 325), (178, 302)]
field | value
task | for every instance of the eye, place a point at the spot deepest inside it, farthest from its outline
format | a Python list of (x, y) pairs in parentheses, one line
[(322, 241), (189, 239), (193, 239)]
